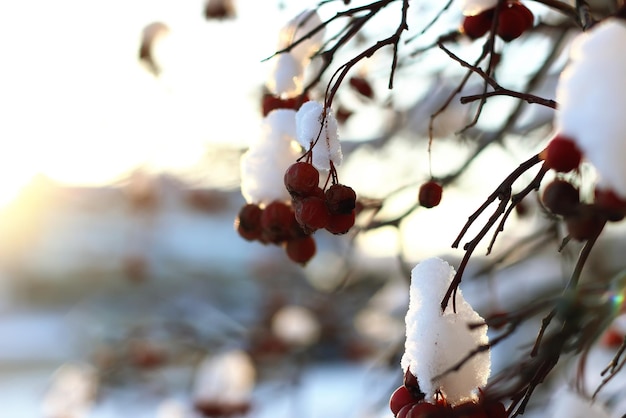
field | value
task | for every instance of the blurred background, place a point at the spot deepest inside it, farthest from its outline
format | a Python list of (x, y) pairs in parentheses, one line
[(124, 289)]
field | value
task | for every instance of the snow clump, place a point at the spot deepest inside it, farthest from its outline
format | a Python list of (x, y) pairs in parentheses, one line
[(436, 340)]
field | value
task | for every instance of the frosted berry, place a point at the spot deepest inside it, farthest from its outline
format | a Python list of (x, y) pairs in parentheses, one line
[(340, 199), (301, 250), (363, 86), (248, 222), (301, 179), (340, 223), (400, 398), (311, 213), (478, 25), (562, 154), (513, 20), (560, 197), (276, 221), (430, 194)]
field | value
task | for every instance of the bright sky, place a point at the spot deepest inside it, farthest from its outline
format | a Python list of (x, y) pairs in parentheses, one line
[(77, 106)]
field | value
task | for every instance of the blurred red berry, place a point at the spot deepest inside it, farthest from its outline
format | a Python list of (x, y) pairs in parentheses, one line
[(560, 197), (613, 206), (248, 222), (400, 398), (301, 179), (311, 213), (276, 221), (562, 154), (430, 194), (363, 86), (477, 25), (513, 20), (340, 223), (301, 250)]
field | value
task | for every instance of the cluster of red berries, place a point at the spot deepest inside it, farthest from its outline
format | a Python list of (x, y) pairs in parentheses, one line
[(513, 20), (583, 220), (291, 224), (276, 224), (333, 209), (407, 401)]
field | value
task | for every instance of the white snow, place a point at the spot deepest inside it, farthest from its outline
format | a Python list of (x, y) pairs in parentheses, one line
[(286, 76), (227, 378), (309, 119), (298, 27), (566, 402), (264, 164), (592, 97), (474, 7), (436, 341)]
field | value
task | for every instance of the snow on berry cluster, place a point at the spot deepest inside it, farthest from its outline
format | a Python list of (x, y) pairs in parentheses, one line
[(590, 125), (285, 203), (513, 18), (592, 97), (435, 342)]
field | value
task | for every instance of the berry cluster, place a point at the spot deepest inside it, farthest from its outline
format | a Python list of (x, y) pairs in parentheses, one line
[(276, 224), (513, 20), (407, 401), (292, 224), (333, 209), (560, 197)]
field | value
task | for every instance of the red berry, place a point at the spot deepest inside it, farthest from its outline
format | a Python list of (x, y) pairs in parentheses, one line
[(495, 410), (513, 20), (301, 179), (560, 197), (400, 398), (427, 410), (276, 221), (430, 194), (363, 86), (339, 223), (301, 250), (340, 199), (248, 222), (312, 213), (404, 411), (469, 409), (271, 102), (478, 25), (562, 154), (612, 205), (585, 224)]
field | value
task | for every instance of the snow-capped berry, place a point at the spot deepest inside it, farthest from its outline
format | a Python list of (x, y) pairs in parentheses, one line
[(363, 86), (400, 398), (513, 20), (430, 194), (301, 250), (311, 213), (301, 179), (276, 221), (477, 25), (340, 223), (562, 154), (248, 222), (560, 197), (340, 199)]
